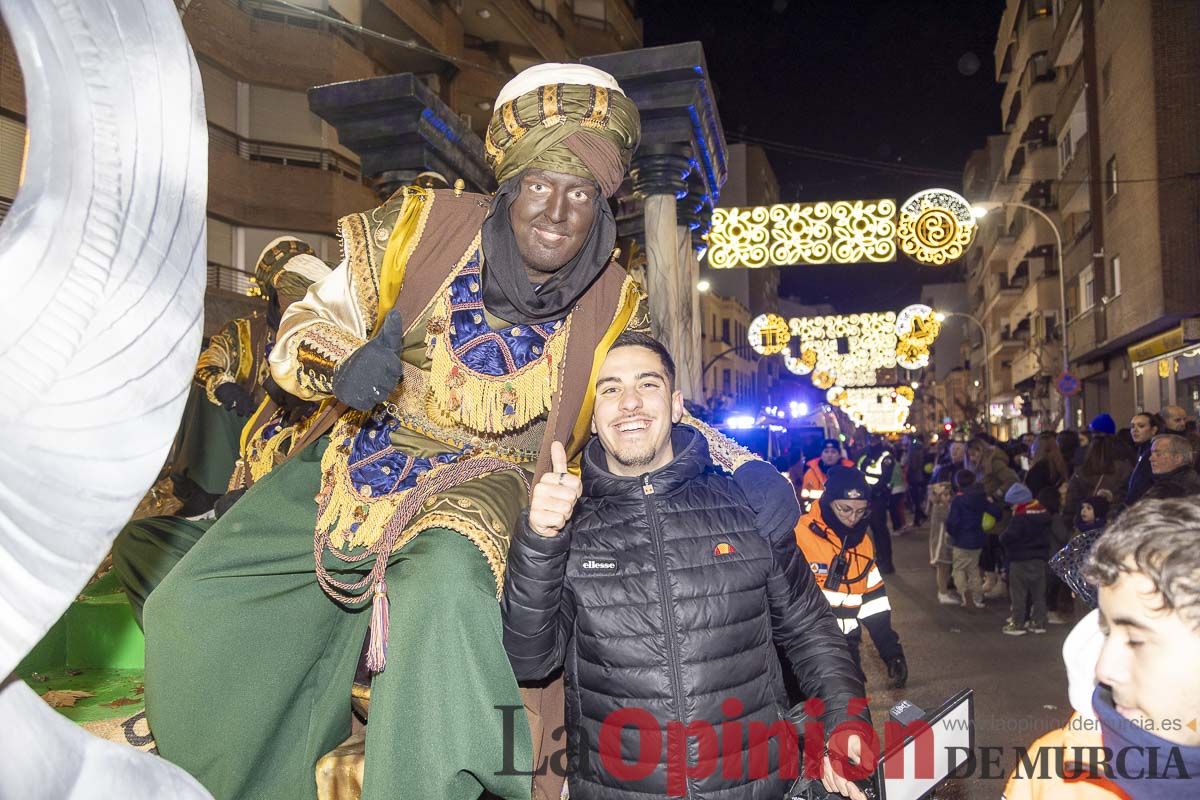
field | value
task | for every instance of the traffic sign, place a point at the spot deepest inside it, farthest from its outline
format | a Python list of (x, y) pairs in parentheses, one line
[(1067, 384)]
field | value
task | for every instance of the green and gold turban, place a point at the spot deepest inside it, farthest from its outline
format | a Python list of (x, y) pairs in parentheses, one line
[(563, 118), (287, 267)]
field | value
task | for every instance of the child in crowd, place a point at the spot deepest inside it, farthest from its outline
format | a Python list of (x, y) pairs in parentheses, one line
[(941, 557), (964, 525), (1026, 540), (1093, 514)]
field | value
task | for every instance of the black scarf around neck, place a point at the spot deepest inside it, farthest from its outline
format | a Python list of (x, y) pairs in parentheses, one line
[(507, 291)]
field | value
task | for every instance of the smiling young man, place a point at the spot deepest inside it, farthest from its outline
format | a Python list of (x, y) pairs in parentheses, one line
[(648, 579), (1147, 566)]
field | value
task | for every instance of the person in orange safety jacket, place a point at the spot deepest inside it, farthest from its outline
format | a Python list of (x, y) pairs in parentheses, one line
[(832, 536), (816, 469)]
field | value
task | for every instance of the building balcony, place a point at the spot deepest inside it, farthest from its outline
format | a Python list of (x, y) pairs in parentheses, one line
[(303, 52), (1041, 293), (1005, 346), (1032, 362), (269, 185)]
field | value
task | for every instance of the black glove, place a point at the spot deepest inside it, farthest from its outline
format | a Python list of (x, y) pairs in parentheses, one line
[(897, 672), (234, 398), (226, 501), (772, 497), (370, 373)]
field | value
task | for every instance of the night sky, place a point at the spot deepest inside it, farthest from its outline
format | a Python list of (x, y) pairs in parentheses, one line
[(907, 82)]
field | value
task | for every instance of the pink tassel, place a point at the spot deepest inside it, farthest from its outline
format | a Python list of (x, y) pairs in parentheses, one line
[(377, 649)]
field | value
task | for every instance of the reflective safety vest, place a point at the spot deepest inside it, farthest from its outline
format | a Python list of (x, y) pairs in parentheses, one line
[(813, 485), (874, 469), (862, 593)]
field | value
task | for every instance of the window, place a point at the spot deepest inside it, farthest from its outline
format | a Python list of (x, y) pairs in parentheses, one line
[(725, 331), (725, 381), (1115, 275), (712, 332), (1066, 149), (1086, 284), (1110, 178), (1106, 80)]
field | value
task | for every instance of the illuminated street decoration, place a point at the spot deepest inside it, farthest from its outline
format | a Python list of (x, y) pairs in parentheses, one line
[(879, 409), (848, 350), (841, 232), (768, 334), (912, 356), (917, 324), (836, 396), (936, 226)]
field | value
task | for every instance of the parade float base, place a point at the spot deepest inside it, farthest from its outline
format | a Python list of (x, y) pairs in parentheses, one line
[(89, 667)]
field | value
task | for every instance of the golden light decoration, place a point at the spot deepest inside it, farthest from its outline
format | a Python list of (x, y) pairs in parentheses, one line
[(836, 396), (839, 232), (917, 324), (768, 334), (803, 364), (880, 409), (906, 392), (868, 345), (936, 226), (822, 380), (912, 356)]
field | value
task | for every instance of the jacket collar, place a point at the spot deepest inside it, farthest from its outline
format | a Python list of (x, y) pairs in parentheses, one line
[(691, 459)]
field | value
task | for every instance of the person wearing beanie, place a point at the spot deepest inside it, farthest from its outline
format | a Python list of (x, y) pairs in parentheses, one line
[(1093, 513), (816, 470), (833, 537), (1026, 539), (964, 525), (1103, 423)]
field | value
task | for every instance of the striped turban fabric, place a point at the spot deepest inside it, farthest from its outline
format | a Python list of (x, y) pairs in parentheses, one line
[(565, 118)]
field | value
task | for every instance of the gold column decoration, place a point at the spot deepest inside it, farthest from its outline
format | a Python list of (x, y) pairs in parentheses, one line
[(936, 226), (839, 232)]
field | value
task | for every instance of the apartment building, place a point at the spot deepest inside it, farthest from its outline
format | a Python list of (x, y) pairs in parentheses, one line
[(1100, 122), (274, 167), (730, 380), (751, 182)]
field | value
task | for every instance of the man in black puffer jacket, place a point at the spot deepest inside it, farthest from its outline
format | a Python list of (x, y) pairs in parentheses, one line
[(664, 602)]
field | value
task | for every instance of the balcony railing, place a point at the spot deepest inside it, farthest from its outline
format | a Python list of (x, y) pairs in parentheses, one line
[(222, 140), (228, 279)]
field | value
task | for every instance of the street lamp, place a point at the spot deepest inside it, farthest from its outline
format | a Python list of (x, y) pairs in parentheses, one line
[(703, 285), (980, 210), (987, 363)]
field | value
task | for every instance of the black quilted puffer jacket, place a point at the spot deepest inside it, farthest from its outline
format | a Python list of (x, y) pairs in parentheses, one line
[(663, 602)]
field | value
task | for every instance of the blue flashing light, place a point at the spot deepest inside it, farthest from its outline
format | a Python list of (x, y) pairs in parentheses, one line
[(739, 422)]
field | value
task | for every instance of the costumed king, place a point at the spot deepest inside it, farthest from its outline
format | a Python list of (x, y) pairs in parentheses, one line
[(462, 332)]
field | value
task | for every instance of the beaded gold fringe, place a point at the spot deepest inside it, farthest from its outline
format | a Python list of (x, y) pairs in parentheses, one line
[(339, 505), (478, 401)]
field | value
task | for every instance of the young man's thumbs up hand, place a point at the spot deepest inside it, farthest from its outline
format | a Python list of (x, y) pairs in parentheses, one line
[(554, 496)]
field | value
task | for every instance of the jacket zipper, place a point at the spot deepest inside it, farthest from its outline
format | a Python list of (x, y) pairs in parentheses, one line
[(664, 601)]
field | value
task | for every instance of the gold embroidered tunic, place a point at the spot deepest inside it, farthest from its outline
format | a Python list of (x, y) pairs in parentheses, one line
[(473, 385)]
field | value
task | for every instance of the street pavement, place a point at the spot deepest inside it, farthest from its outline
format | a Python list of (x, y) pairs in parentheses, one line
[(1019, 681)]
